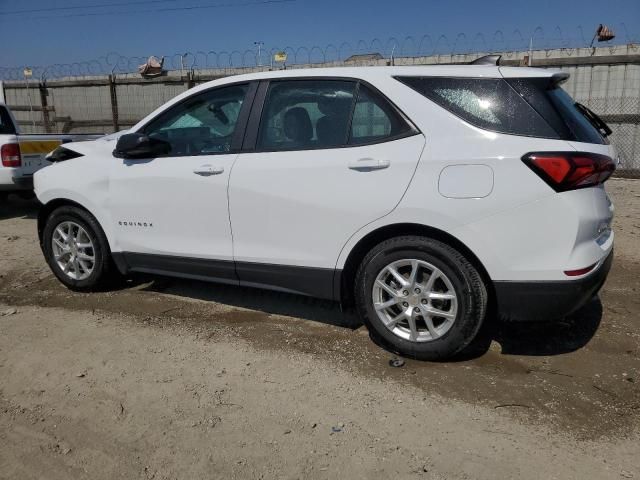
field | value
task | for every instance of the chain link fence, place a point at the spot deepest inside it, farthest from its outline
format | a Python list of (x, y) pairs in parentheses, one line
[(622, 114)]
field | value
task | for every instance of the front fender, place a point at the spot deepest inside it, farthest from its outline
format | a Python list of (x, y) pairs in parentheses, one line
[(82, 182)]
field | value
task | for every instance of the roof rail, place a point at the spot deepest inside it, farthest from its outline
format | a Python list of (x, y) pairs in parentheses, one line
[(487, 60)]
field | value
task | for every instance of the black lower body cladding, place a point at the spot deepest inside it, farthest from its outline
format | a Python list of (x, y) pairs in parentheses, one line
[(540, 301)]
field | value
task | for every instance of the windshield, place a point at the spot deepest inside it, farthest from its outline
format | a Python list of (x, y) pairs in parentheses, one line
[(6, 125), (575, 119)]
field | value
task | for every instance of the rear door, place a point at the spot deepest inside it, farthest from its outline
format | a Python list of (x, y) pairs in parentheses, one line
[(323, 157)]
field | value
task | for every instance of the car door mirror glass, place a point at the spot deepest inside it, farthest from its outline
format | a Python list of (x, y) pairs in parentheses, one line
[(139, 145)]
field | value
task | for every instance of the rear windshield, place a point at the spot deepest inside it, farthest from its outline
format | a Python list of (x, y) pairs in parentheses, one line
[(532, 107), (558, 108), (6, 125)]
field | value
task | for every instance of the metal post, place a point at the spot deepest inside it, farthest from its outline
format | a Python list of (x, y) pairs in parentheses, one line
[(259, 59), (191, 80), (33, 120), (114, 102), (45, 108), (530, 50)]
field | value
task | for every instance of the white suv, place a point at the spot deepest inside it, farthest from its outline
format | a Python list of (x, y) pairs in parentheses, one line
[(427, 196)]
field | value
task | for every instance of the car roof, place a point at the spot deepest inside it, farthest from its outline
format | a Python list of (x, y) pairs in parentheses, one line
[(373, 73)]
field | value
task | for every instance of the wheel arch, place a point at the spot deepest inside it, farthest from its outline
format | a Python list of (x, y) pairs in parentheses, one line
[(51, 205), (370, 240)]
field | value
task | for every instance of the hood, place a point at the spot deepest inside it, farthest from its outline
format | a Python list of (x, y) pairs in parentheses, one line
[(113, 136), (70, 150)]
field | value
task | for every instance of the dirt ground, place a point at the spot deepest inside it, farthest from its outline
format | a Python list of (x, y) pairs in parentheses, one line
[(169, 379)]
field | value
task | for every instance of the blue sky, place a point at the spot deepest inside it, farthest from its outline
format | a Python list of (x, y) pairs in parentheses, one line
[(63, 36)]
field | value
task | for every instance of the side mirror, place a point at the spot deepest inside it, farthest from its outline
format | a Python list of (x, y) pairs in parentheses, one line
[(139, 145)]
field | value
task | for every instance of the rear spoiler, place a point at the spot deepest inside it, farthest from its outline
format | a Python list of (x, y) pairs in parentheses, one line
[(559, 78), (487, 60)]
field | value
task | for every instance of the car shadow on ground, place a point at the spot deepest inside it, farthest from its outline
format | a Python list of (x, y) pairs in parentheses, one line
[(16, 207), (266, 301), (532, 339), (552, 337)]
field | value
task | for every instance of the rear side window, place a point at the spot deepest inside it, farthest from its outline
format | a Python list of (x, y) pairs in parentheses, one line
[(6, 125), (558, 109), (326, 113), (488, 103), (306, 114)]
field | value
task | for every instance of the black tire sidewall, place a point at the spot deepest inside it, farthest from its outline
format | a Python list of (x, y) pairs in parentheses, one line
[(471, 301), (100, 246)]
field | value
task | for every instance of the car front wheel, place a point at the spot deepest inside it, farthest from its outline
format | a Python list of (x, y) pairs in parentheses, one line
[(76, 249), (420, 297)]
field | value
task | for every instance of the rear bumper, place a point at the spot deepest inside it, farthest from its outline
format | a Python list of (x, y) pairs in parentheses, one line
[(540, 301), (9, 182)]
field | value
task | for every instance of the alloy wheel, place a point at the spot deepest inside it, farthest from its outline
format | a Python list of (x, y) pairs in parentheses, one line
[(73, 250), (415, 300)]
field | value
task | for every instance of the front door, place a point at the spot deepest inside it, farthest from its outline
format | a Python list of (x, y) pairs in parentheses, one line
[(171, 213)]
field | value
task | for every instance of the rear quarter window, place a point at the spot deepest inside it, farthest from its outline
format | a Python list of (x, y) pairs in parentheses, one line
[(488, 103), (374, 119)]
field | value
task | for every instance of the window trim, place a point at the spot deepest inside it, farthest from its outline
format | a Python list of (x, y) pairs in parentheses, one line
[(253, 127), (241, 123)]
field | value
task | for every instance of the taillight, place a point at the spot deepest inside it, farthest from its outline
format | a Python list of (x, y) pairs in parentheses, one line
[(10, 153), (564, 171)]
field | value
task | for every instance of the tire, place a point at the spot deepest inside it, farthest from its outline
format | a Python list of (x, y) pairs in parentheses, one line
[(26, 194), (4, 196), (457, 292), (102, 270)]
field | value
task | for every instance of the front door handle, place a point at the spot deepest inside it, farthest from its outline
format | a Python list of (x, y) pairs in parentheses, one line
[(207, 170), (368, 164)]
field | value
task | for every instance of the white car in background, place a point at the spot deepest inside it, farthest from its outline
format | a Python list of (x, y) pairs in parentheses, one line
[(427, 196), (21, 155)]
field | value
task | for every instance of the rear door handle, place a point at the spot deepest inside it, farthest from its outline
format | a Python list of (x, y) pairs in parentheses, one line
[(368, 164), (207, 170)]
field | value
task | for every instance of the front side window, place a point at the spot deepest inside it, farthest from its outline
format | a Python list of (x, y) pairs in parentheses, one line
[(202, 124), (306, 114)]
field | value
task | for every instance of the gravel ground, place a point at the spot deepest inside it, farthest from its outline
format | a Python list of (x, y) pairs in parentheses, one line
[(177, 379)]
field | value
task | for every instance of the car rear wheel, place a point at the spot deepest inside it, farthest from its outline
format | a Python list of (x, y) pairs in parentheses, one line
[(76, 249), (420, 298)]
